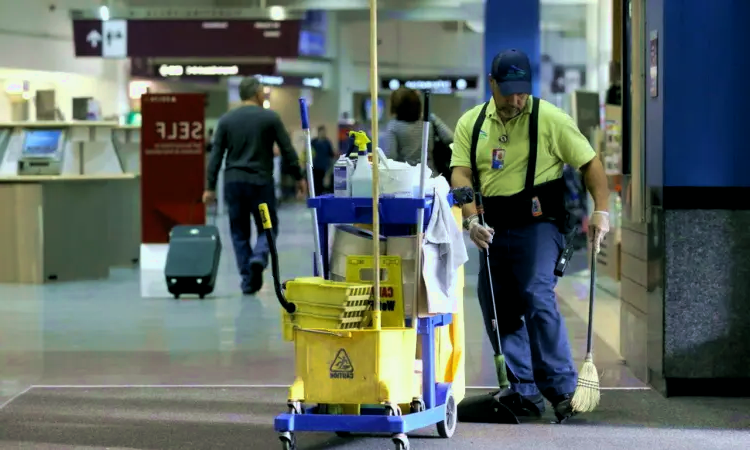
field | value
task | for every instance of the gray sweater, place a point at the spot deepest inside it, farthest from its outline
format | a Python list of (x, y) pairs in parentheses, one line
[(403, 140)]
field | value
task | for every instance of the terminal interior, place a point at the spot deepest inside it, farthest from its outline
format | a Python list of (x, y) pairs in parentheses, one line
[(95, 353)]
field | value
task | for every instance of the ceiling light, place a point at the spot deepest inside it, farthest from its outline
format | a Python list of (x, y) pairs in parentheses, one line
[(104, 13), (277, 12)]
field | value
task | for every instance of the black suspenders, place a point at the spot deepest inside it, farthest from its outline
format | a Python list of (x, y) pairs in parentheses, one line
[(533, 145)]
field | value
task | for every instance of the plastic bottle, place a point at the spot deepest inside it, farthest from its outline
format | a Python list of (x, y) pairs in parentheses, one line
[(361, 179), (342, 173)]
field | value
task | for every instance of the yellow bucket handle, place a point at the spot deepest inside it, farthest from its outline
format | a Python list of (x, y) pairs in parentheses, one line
[(330, 333)]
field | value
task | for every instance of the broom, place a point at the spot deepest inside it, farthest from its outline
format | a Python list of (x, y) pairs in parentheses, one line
[(587, 394)]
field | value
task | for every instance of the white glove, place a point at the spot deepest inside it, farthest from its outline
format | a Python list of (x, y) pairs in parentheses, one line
[(480, 235), (598, 228)]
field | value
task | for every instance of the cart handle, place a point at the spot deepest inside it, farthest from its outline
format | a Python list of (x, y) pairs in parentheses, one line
[(265, 218)]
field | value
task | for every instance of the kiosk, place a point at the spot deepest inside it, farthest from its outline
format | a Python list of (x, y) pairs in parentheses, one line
[(70, 210), (42, 152)]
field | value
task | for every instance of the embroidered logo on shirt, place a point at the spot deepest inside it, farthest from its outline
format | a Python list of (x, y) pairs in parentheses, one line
[(482, 134)]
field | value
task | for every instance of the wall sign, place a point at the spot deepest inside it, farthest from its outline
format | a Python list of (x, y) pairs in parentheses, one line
[(190, 38), (169, 70), (172, 163), (442, 85)]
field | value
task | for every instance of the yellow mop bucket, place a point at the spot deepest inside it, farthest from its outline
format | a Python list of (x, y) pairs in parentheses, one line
[(325, 304), (355, 366)]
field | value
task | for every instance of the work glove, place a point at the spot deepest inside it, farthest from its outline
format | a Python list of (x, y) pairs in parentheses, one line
[(481, 235), (598, 228)]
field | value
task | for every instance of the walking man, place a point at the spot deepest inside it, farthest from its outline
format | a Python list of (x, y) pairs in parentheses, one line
[(246, 135), (514, 148), (323, 159)]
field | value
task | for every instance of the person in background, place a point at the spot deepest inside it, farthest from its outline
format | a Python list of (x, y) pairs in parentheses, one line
[(403, 137), (324, 157), (246, 135), (524, 223)]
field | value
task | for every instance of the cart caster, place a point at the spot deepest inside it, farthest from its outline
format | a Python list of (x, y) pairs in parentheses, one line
[(392, 410), (417, 405), (288, 441), (401, 442), (295, 407), (447, 427)]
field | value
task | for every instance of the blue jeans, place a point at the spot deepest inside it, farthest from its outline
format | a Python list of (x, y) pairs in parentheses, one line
[(243, 200), (533, 333)]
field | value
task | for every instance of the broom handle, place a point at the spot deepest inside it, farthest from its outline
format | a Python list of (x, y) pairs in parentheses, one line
[(376, 314), (592, 291)]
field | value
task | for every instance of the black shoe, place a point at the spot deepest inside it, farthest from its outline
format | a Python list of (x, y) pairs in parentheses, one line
[(563, 408), (256, 279), (522, 406)]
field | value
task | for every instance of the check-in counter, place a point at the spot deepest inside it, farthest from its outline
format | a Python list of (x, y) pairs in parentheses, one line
[(72, 225)]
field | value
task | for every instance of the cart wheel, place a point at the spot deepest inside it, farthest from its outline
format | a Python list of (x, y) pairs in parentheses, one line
[(416, 406), (295, 407), (288, 441), (392, 410), (401, 442), (447, 427)]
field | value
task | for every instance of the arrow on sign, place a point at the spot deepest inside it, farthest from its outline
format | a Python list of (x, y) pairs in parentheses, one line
[(111, 36), (94, 38)]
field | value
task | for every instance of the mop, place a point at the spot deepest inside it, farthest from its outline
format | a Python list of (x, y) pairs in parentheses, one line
[(494, 407), (587, 393)]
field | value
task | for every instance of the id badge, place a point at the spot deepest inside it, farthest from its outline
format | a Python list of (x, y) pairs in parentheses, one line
[(498, 158), (536, 207)]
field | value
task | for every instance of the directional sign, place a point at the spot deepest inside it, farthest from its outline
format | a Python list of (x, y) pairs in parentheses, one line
[(87, 36), (115, 39)]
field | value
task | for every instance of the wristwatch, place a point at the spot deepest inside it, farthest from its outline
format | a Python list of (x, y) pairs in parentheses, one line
[(469, 221)]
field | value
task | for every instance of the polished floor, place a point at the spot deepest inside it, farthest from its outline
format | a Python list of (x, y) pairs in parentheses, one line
[(56, 338)]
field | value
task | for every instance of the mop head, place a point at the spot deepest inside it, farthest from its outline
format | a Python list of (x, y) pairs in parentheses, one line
[(587, 394)]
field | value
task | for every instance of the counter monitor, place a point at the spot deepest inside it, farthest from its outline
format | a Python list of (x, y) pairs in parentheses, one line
[(42, 152)]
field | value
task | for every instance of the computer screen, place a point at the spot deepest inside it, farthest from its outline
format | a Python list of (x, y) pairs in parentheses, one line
[(41, 142)]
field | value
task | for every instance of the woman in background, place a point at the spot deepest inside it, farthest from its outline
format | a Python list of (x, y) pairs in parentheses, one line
[(403, 137)]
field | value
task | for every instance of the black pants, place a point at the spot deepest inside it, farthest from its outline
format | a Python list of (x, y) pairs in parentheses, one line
[(243, 200), (319, 177)]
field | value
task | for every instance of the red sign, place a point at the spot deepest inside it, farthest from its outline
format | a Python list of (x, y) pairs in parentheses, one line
[(190, 38), (173, 160)]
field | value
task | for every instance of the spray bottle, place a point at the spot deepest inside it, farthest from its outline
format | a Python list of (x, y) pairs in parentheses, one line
[(361, 179)]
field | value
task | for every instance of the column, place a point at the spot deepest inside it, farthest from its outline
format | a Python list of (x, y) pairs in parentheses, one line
[(695, 301), (512, 24)]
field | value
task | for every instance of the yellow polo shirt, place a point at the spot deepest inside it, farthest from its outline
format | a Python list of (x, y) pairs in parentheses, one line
[(559, 143)]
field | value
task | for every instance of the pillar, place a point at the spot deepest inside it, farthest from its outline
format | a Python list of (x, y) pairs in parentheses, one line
[(512, 24), (689, 289)]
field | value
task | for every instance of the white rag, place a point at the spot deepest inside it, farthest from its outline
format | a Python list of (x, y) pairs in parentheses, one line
[(443, 252)]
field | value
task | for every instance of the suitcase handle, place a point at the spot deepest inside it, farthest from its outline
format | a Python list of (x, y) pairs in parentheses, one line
[(265, 218)]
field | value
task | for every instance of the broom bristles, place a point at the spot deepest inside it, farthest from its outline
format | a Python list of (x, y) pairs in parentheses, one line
[(587, 394)]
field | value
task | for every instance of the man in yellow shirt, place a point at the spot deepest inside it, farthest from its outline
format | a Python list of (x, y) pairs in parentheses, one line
[(512, 149)]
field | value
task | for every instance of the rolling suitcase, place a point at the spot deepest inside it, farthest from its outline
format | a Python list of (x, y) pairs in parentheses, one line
[(192, 260)]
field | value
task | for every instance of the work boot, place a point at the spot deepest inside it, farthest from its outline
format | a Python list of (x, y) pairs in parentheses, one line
[(522, 406), (563, 408)]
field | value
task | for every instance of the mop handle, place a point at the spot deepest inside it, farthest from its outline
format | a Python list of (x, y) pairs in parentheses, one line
[(374, 88), (592, 291), (480, 213), (311, 182), (420, 210)]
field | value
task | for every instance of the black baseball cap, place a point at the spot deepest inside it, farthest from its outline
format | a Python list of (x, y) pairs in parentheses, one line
[(511, 70)]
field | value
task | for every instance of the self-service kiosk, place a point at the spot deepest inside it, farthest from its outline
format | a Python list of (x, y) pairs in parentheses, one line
[(42, 152)]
